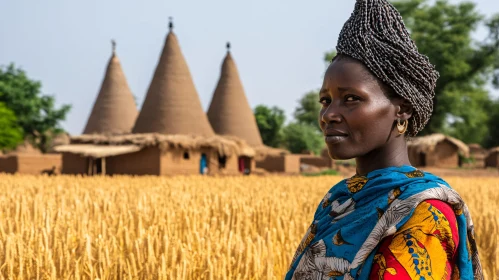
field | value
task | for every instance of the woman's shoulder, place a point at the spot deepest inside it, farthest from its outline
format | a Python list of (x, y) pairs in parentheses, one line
[(426, 244)]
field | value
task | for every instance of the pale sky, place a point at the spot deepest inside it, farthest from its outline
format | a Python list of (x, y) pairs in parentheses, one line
[(278, 45)]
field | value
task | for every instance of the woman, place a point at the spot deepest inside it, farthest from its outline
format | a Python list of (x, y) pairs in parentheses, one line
[(390, 220)]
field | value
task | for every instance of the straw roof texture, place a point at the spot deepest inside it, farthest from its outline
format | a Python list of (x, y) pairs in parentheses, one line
[(224, 146), (427, 144), (494, 150), (476, 148), (97, 151), (229, 112), (172, 104), (261, 152), (114, 110)]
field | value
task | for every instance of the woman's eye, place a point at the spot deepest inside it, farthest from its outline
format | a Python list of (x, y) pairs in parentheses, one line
[(351, 98), (324, 101)]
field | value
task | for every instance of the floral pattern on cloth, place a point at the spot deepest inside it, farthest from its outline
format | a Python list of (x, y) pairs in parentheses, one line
[(358, 214), (423, 248)]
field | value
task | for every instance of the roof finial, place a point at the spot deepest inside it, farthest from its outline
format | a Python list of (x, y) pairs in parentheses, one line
[(170, 25), (228, 46), (113, 43)]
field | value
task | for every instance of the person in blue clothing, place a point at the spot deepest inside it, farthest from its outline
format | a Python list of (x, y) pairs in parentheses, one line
[(390, 220)]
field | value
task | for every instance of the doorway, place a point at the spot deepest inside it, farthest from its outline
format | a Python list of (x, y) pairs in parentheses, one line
[(422, 159), (203, 165), (245, 165), (222, 161)]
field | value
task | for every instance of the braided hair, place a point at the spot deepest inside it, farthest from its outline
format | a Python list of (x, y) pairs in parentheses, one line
[(375, 34)]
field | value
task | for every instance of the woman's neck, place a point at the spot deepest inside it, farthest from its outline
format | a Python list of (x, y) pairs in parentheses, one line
[(393, 153)]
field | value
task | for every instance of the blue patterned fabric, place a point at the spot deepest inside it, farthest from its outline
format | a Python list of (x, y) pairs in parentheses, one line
[(357, 213)]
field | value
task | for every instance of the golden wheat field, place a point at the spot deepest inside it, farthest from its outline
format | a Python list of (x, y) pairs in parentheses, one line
[(179, 228)]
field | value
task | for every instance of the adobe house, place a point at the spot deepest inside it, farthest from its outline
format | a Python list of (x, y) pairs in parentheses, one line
[(279, 162), (492, 159), (114, 110), (230, 115), (172, 105), (171, 134), (229, 112), (156, 154), (317, 161), (478, 154), (437, 150), (28, 160)]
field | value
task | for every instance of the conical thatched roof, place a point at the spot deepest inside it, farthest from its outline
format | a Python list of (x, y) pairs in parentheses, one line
[(114, 110), (172, 104), (229, 112)]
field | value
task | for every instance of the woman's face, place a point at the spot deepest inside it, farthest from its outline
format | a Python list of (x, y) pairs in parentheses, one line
[(356, 117)]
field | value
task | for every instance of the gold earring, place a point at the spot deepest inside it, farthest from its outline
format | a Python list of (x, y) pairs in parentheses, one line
[(402, 126)]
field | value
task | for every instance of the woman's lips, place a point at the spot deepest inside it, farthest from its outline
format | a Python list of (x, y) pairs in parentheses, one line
[(333, 135), (334, 139)]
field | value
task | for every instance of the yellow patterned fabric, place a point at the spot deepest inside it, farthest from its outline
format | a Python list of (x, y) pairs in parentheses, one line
[(423, 246)]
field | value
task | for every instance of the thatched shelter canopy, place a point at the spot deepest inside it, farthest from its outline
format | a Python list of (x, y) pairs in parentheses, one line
[(114, 110), (427, 144), (97, 151), (223, 145), (229, 112)]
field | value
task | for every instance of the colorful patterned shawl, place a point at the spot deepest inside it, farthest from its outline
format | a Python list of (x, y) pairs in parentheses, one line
[(357, 213)]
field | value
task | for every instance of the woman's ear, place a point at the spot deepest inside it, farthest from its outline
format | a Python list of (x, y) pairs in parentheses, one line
[(405, 109)]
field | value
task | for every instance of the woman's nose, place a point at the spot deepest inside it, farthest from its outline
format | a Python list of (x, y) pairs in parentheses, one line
[(331, 114)]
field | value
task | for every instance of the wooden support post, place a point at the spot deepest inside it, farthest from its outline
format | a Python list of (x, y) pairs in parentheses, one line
[(90, 164), (103, 164)]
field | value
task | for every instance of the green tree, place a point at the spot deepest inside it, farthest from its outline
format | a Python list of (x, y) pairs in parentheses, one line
[(442, 31), (492, 139), (308, 109), (36, 114), (270, 122), (302, 137), (328, 56), (11, 133)]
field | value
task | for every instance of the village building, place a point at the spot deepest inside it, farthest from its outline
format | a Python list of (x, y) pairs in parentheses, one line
[(155, 154), (437, 150), (229, 112), (26, 159), (172, 105), (310, 162), (114, 110), (492, 159), (171, 134), (231, 115), (477, 155)]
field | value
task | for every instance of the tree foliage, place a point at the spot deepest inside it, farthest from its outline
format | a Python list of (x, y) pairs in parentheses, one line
[(443, 31), (270, 122), (308, 109), (36, 114), (302, 137), (11, 133)]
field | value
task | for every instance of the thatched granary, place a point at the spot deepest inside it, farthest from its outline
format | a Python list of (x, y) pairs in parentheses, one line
[(436, 150), (492, 159), (114, 110), (172, 105), (478, 154), (229, 112), (156, 154)]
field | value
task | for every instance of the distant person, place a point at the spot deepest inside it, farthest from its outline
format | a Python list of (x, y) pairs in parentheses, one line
[(390, 220)]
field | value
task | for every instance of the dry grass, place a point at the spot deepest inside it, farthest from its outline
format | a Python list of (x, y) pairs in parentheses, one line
[(178, 228)]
